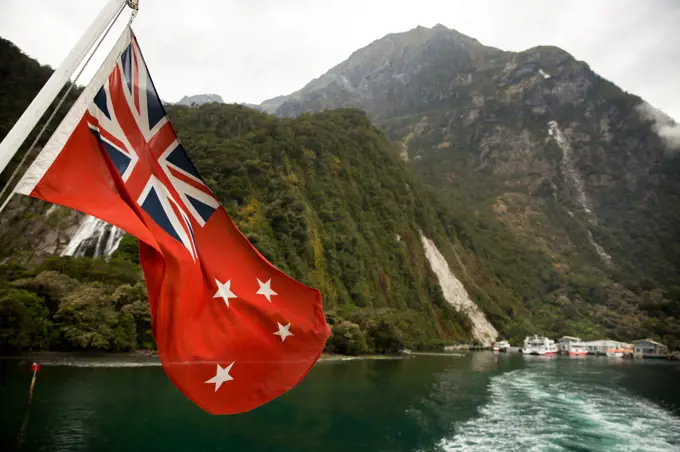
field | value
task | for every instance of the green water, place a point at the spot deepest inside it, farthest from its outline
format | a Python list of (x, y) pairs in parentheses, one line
[(480, 402)]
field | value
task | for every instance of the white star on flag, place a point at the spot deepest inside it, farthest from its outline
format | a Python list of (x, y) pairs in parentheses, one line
[(266, 289), (284, 331), (221, 376), (224, 291)]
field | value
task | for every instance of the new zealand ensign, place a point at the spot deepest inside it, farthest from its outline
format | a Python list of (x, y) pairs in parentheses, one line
[(233, 332)]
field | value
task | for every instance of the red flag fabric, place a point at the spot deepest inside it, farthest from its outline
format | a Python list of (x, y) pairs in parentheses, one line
[(233, 332)]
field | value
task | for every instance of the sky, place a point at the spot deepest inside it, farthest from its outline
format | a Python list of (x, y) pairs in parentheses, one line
[(252, 50)]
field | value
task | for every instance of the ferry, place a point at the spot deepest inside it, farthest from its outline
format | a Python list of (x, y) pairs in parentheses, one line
[(572, 346), (539, 345), (501, 346)]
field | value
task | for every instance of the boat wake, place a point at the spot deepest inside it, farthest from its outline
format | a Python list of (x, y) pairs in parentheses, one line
[(113, 364), (529, 411)]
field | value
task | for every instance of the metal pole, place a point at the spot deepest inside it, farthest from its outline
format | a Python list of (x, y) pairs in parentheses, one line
[(28, 120)]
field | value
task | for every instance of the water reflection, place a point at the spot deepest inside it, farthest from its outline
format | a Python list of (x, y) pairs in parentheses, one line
[(485, 361), (78, 405)]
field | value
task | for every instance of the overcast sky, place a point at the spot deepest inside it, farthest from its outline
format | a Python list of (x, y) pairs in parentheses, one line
[(251, 50)]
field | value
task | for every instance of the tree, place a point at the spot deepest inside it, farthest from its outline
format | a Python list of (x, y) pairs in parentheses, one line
[(347, 339), (24, 321), (385, 337), (87, 320)]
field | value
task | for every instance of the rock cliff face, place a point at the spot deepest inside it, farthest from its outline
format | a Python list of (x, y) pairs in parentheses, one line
[(536, 154)]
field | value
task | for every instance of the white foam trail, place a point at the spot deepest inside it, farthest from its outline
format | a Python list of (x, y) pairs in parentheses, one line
[(530, 411), (113, 364)]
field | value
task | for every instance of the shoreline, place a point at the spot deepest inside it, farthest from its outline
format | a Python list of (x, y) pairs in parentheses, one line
[(334, 357), (141, 358)]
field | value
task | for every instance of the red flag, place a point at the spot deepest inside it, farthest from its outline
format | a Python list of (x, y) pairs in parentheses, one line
[(233, 332)]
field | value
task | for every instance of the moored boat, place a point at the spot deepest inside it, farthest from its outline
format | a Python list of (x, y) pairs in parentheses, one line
[(615, 353), (539, 345), (501, 346), (572, 346)]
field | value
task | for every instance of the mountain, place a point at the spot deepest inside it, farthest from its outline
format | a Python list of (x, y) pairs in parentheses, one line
[(200, 99), (324, 197), (552, 172)]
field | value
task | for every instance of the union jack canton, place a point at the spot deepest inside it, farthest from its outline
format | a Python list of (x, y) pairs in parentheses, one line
[(139, 123)]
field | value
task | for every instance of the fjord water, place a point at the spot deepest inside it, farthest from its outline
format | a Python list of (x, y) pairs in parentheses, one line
[(477, 402)]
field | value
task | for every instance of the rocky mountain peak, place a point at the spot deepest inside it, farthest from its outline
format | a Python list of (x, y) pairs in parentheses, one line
[(200, 99), (396, 73)]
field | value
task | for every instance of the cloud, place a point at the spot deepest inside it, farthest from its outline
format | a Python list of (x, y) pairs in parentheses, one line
[(663, 125)]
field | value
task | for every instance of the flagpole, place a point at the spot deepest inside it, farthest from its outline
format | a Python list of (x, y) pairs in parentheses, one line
[(28, 120)]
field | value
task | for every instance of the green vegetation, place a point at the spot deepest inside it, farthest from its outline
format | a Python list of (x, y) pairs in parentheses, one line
[(74, 304)]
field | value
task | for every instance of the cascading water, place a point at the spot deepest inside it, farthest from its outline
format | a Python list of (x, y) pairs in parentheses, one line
[(569, 168), (53, 208), (94, 238), (576, 181)]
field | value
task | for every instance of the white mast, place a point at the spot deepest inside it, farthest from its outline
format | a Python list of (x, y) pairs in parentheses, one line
[(28, 120)]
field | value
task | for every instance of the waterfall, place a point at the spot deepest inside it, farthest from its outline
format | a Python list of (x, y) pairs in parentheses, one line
[(94, 238), (574, 178), (606, 257), (571, 174), (53, 208)]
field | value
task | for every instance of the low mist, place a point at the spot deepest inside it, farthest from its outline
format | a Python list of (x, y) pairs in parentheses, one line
[(664, 125)]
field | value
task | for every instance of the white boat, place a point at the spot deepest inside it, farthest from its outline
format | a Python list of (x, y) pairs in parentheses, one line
[(615, 353), (572, 346), (539, 345), (501, 346)]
